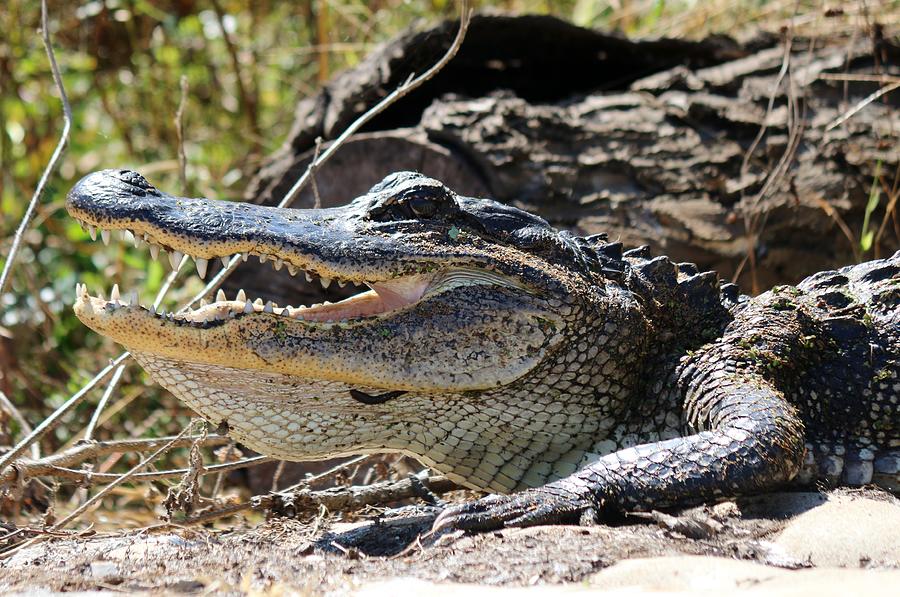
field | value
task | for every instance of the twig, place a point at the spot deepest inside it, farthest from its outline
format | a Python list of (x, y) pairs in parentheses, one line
[(214, 514), (337, 498), (179, 133), (335, 469), (276, 477), (862, 104), (91, 477), (107, 393), (785, 64), (863, 77), (87, 451), (119, 480), (7, 405), (164, 289), (51, 165), (248, 104), (755, 223), (354, 497), (893, 194), (405, 88), (51, 421), (220, 478), (831, 212), (465, 15), (312, 175), (322, 38)]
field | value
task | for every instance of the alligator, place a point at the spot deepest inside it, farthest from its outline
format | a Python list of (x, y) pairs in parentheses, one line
[(571, 379)]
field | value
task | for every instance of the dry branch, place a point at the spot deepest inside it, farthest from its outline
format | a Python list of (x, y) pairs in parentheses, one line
[(7, 405), (120, 479), (54, 159), (51, 421), (354, 497), (862, 104), (90, 450)]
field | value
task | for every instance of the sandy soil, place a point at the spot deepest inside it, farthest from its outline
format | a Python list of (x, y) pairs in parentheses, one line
[(839, 542)]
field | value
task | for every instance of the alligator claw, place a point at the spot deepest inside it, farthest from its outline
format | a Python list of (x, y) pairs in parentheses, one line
[(545, 505)]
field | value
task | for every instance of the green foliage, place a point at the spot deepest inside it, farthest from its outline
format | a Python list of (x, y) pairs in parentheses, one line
[(868, 236)]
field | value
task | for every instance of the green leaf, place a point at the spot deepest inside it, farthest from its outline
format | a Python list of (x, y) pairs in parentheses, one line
[(868, 236)]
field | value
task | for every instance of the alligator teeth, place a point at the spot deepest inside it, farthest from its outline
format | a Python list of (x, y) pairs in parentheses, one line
[(225, 261), (93, 232), (325, 282), (248, 307), (138, 241), (133, 298), (308, 277), (263, 257), (278, 263), (245, 256), (203, 302), (105, 235), (292, 270), (258, 303), (341, 283), (201, 267), (220, 296), (114, 295), (241, 296), (268, 308), (154, 252), (175, 258)]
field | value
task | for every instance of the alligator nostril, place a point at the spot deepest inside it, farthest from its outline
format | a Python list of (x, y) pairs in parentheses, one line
[(134, 179)]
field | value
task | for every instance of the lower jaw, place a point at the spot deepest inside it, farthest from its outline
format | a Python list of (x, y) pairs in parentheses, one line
[(364, 305), (278, 415)]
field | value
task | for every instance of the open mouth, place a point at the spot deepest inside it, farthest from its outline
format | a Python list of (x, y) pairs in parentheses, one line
[(381, 298)]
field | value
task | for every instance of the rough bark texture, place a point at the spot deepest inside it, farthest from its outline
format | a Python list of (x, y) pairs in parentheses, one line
[(667, 143)]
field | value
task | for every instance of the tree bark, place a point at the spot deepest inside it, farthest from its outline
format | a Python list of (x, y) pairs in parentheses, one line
[(715, 152)]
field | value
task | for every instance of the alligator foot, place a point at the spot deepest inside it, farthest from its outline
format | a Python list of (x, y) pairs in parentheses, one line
[(551, 504)]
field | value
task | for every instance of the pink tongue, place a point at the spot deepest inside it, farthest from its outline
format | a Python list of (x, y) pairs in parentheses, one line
[(397, 293)]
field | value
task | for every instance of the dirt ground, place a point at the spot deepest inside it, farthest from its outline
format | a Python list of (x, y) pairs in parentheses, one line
[(781, 543)]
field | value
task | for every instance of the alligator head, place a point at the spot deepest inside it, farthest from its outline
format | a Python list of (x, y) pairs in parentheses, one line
[(472, 349)]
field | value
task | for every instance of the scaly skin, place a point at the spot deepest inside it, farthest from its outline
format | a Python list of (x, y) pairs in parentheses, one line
[(574, 380)]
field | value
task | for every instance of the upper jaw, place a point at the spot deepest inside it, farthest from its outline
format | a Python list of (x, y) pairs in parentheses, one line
[(331, 244)]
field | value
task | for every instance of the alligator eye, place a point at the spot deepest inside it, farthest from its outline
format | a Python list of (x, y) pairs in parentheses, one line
[(423, 207)]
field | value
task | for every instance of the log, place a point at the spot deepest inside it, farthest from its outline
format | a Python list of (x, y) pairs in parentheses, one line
[(715, 151)]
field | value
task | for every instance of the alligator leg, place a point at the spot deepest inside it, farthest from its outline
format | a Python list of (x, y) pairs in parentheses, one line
[(753, 441)]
